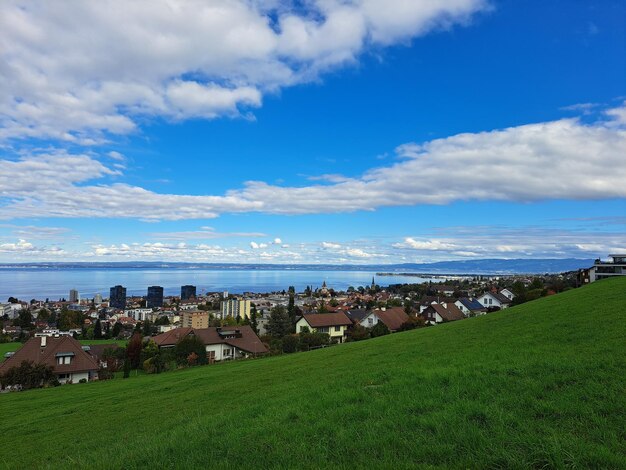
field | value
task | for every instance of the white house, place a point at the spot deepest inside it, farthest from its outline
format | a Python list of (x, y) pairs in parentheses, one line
[(494, 299)]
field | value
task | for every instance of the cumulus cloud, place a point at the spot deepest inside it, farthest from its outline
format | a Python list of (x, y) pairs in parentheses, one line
[(564, 159), (331, 245), (504, 242), (26, 248), (76, 71)]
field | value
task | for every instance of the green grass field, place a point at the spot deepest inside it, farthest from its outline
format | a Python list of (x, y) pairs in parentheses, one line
[(541, 385)]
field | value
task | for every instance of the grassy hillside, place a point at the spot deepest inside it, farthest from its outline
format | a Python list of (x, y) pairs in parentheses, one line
[(539, 385)]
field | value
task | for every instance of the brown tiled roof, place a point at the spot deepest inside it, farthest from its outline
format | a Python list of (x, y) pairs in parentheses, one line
[(96, 350), (449, 313), (245, 338), (170, 338), (393, 318), (32, 351), (318, 320)]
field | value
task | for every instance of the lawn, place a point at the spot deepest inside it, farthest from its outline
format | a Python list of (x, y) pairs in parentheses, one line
[(540, 385)]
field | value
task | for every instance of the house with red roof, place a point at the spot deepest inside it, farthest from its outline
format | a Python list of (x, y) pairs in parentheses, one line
[(65, 355), (221, 343), (392, 318)]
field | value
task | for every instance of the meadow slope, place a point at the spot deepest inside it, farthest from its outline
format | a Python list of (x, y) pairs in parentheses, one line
[(539, 385)]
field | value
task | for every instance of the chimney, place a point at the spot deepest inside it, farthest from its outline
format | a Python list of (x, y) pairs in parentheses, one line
[(43, 341)]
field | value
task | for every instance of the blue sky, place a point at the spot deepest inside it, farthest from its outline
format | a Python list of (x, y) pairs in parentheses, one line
[(325, 131)]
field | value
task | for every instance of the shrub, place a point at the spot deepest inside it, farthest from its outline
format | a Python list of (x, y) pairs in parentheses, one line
[(379, 329), (27, 375), (290, 344)]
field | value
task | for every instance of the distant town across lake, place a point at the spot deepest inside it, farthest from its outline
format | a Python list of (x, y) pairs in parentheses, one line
[(53, 280), (28, 283)]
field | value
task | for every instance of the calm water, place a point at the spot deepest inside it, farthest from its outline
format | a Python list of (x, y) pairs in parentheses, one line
[(26, 284)]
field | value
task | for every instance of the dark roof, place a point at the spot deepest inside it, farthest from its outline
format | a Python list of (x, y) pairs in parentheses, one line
[(317, 320), (55, 346), (240, 336), (503, 299), (471, 304), (393, 318), (96, 350), (356, 315)]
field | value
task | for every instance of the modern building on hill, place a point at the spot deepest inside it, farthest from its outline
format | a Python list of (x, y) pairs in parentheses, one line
[(155, 297), (615, 266), (191, 319), (74, 296), (235, 308), (187, 292), (117, 297), (65, 355)]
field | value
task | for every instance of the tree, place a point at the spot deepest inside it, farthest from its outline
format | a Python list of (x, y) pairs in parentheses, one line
[(290, 343), (313, 340), (188, 346), (24, 319), (43, 315), (28, 375), (147, 328), (117, 329), (133, 350), (358, 333), (254, 324), (379, 329), (279, 324), (291, 311), (97, 331), (127, 367)]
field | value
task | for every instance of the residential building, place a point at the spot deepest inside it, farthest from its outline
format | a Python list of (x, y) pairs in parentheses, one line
[(334, 325), (392, 318), (117, 297), (155, 297), (97, 299), (197, 319), (470, 306), (494, 299), (440, 313), (235, 308), (69, 362), (615, 266), (74, 296), (221, 343), (187, 292)]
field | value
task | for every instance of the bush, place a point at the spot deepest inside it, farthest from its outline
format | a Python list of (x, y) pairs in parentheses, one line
[(290, 344), (28, 375), (310, 341), (358, 333), (188, 346), (82, 381), (379, 329)]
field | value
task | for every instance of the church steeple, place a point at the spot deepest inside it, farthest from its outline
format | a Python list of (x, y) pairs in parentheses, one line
[(373, 283)]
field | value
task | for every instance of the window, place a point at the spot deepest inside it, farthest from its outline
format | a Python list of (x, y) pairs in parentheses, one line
[(64, 360), (370, 321), (337, 328), (323, 329), (228, 352), (64, 376)]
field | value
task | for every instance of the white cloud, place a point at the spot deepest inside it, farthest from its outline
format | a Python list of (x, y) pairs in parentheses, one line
[(204, 233), (563, 159), (330, 245), (75, 71), (277, 241), (25, 248)]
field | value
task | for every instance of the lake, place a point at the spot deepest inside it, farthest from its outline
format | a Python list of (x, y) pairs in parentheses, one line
[(52, 283)]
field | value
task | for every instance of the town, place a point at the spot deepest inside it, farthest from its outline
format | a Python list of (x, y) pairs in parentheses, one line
[(66, 341)]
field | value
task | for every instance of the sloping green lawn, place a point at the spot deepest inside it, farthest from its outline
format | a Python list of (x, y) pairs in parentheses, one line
[(541, 385)]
